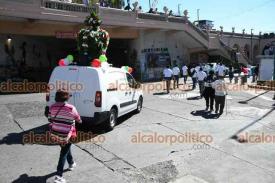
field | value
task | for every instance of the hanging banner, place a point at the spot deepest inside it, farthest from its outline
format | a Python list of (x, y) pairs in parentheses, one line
[(154, 60), (65, 35)]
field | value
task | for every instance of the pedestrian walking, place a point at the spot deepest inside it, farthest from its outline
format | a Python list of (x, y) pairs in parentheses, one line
[(176, 76), (220, 93), (197, 68), (220, 70), (231, 74), (209, 92), (194, 77), (211, 68), (128, 7), (201, 75), (256, 73), (62, 117), (184, 73), (168, 73)]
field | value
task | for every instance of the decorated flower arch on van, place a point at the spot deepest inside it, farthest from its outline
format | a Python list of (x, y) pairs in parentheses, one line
[(92, 41)]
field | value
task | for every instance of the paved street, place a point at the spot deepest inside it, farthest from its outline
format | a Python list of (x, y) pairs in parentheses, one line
[(120, 159)]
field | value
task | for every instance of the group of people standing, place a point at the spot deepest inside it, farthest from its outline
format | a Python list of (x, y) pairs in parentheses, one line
[(210, 80)]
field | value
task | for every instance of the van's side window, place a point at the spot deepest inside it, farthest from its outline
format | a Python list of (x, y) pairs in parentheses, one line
[(131, 80)]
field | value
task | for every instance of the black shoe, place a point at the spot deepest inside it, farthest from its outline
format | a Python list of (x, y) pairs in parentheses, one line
[(220, 113)]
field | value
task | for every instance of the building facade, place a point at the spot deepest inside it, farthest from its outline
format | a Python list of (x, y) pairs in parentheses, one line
[(36, 34)]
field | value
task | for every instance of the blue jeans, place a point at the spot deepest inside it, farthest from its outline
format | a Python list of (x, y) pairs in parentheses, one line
[(65, 154)]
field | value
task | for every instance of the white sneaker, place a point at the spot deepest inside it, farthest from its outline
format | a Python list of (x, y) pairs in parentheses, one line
[(72, 166), (59, 179)]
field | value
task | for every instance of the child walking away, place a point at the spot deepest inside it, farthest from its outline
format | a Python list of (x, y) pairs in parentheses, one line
[(63, 117), (220, 93), (209, 92), (176, 76), (185, 73)]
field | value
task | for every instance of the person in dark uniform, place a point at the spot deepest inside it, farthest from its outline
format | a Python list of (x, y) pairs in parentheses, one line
[(256, 73), (220, 94), (209, 92)]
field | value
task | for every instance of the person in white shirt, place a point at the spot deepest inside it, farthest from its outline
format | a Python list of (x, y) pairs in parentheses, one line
[(185, 73), (220, 93), (167, 73), (205, 68), (201, 75), (176, 76), (221, 70), (197, 68), (194, 77), (217, 69)]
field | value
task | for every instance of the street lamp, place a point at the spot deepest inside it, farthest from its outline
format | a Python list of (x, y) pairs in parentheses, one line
[(179, 5), (198, 14), (251, 50)]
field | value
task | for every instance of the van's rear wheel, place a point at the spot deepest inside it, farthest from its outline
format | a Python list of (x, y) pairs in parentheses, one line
[(112, 120), (139, 105)]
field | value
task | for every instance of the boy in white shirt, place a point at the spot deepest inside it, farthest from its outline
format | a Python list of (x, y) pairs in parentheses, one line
[(220, 94), (221, 70), (185, 73), (168, 73), (176, 73)]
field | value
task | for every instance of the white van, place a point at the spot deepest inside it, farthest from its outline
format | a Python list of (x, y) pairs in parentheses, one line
[(99, 94)]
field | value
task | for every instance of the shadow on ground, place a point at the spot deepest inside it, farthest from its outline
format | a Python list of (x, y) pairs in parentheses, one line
[(246, 101), (194, 98), (41, 135), (235, 136), (205, 114), (161, 93), (25, 178), (187, 90)]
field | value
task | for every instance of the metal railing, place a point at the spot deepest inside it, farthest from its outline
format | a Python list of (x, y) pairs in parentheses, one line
[(150, 16), (175, 20), (198, 30), (59, 5), (115, 11)]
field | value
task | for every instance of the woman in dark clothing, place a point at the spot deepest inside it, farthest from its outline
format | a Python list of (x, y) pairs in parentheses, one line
[(209, 92)]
